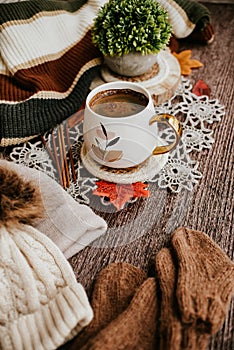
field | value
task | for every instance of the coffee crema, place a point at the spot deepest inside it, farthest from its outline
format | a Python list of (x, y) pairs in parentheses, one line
[(118, 103)]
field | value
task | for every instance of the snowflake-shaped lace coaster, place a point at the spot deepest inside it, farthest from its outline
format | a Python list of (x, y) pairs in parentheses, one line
[(180, 172)]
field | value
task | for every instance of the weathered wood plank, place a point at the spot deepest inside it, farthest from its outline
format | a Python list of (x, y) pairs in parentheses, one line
[(139, 231)]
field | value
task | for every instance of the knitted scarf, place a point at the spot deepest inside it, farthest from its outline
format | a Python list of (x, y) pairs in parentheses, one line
[(47, 62)]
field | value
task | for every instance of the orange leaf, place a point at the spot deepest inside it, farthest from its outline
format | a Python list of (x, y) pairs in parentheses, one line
[(140, 189), (120, 194), (186, 64)]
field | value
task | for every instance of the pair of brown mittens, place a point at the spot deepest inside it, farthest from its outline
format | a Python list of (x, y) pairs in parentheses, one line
[(197, 282), (125, 305), (180, 308)]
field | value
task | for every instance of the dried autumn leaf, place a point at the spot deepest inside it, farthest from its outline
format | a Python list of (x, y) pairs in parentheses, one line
[(123, 194), (120, 194), (201, 88), (140, 189), (186, 63), (105, 189)]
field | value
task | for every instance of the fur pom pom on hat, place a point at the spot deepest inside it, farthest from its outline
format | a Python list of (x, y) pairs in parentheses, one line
[(41, 304), (70, 225), (20, 201)]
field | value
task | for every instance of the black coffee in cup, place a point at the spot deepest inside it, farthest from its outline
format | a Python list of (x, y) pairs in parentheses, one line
[(117, 103)]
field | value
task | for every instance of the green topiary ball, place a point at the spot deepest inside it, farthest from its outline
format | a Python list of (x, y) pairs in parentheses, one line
[(124, 26)]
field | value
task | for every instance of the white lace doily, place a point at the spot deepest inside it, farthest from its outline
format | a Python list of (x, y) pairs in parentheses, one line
[(180, 172)]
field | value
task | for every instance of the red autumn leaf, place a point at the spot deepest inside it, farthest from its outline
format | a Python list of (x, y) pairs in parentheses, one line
[(120, 194), (201, 88)]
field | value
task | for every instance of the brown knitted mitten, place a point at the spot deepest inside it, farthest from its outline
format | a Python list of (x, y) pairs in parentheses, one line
[(135, 328), (205, 280), (113, 290), (174, 335), (170, 326), (193, 338)]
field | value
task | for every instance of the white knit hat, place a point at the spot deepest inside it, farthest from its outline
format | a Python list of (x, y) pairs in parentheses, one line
[(41, 304), (69, 224)]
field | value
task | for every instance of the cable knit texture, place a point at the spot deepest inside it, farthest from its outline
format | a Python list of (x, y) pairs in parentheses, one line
[(69, 224), (41, 303)]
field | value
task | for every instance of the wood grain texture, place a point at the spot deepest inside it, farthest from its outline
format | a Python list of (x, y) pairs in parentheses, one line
[(139, 231), (218, 1)]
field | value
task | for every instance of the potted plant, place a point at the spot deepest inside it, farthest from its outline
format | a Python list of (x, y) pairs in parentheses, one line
[(129, 31)]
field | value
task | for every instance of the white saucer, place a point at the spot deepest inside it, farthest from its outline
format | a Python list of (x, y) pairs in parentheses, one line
[(142, 172)]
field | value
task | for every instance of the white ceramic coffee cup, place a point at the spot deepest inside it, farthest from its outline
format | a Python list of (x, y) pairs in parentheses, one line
[(125, 141)]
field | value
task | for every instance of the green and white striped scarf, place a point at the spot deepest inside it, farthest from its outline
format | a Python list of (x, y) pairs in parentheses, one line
[(47, 62), (47, 59)]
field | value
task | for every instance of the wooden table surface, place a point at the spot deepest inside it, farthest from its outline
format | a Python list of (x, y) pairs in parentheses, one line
[(141, 229), (137, 233)]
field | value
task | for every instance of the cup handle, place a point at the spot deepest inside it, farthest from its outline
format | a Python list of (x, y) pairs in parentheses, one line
[(174, 123)]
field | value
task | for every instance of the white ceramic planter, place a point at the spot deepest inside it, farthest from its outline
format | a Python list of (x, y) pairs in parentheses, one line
[(131, 64)]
